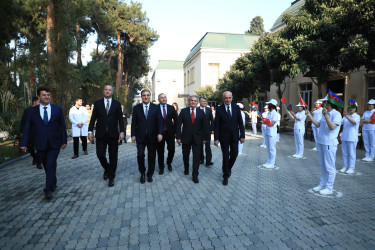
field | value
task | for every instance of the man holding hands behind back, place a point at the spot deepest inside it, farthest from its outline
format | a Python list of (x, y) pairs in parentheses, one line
[(108, 116), (229, 130)]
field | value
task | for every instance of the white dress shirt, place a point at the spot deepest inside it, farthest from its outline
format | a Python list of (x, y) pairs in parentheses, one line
[(105, 102)]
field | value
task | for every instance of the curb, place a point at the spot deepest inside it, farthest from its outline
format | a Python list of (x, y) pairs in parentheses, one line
[(14, 160)]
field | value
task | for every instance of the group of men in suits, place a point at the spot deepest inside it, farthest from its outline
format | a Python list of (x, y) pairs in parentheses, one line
[(152, 126)]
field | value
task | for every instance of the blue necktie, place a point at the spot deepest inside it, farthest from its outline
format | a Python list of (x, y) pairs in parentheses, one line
[(45, 116)]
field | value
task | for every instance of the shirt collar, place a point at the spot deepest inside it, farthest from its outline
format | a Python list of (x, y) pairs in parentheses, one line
[(144, 105), (48, 106), (226, 106), (105, 100)]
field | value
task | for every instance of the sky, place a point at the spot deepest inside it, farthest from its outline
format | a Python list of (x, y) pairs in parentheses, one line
[(181, 24)]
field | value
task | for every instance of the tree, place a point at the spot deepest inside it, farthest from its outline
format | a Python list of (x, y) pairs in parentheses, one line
[(208, 92), (256, 26)]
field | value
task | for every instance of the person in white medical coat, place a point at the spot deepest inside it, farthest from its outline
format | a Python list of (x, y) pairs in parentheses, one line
[(264, 126), (78, 116), (329, 127), (299, 129), (317, 114), (271, 133), (240, 145), (368, 131), (349, 138)]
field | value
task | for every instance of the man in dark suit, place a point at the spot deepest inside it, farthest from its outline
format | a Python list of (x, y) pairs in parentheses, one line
[(194, 133), (210, 130), (108, 116), (169, 115), (229, 130), (31, 141), (125, 116), (50, 135), (146, 130)]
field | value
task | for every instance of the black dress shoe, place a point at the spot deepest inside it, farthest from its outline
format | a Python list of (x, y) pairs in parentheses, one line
[(161, 171), (186, 172), (195, 179), (75, 156), (48, 195), (170, 167), (142, 180), (125, 141), (209, 164), (111, 183), (53, 188), (149, 179), (202, 161), (39, 166), (85, 152), (120, 143), (225, 181), (105, 176), (33, 163)]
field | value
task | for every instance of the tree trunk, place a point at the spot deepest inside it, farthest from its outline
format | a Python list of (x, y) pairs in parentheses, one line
[(109, 48), (79, 49), (51, 48), (120, 64)]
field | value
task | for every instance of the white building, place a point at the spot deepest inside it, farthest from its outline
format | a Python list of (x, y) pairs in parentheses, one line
[(212, 56), (168, 78)]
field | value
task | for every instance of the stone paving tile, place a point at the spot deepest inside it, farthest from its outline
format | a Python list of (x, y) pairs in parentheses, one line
[(259, 209)]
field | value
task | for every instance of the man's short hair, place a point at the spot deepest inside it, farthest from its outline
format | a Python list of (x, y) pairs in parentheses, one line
[(35, 99), (43, 88), (145, 90), (193, 96), (108, 85), (202, 98), (161, 94), (227, 92), (77, 98)]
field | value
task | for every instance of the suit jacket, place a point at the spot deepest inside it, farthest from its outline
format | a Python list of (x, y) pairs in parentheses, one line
[(171, 115), (226, 126), (113, 120), (209, 120), (23, 121), (51, 135), (191, 133), (149, 128)]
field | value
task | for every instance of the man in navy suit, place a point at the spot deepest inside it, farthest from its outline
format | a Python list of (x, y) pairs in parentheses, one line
[(210, 130), (50, 135), (146, 130), (193, 135), (108, 116), (229, 130)]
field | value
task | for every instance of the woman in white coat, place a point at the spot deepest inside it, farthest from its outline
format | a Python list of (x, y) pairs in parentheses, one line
[(368, 132), (264, 127), (299, 129), (317, 114), (78, 116), (349, 137), (329, 127), (271, 133), (240, 145)]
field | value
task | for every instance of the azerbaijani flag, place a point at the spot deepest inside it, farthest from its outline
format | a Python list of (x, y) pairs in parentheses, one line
[(302, 102), (289, 107), (254, 106), (352, 104), (334, 99)]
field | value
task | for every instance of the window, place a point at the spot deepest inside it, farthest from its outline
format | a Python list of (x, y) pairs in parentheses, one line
[(371, 88), (213, 73), (305, 92), (192, 75), (261, 104)]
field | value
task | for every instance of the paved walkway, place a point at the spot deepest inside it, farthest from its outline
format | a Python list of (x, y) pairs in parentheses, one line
[(259, 208)]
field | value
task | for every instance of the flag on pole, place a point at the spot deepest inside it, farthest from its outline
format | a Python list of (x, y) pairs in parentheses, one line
[(302, 102), (372, 118), (334, 99), (266, 121), (283, 100), (352, 104), (254, 106), (289, 108)]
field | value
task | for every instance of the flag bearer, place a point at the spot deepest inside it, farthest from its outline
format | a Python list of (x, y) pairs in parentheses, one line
[(349, 137), (317, 114), (329, 127), (299, 129), (270, 133), (264, 126), (254, 118), (368, 131)]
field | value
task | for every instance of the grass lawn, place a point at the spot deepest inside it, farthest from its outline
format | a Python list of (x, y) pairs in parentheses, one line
[(8, 151)]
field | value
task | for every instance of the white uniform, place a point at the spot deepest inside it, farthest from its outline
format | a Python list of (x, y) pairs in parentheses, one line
[(254, 120), (271, 132), (77, 116), (240, 145), (278, 124), (349, 138), (327, 147), (368, 135), (317, 115), (264, 126), (299, 132)]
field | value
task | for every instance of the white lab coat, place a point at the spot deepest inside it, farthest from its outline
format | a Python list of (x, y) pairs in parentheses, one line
[(77, 116)]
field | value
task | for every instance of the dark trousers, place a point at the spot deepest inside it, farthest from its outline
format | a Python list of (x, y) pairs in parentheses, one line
[(207, 147), (151, 155), (31, 149), (229, 150), (101, 148), (161, 147), (76, 144), (49, 161), (196, 148)]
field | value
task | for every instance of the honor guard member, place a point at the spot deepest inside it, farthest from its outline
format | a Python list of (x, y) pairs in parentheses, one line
[(254, 120), (278, 124), (299, 129), (240, 145), (329, 127), (264, 127), (271, 133), (368, 132), (349, 137), (317, 114)]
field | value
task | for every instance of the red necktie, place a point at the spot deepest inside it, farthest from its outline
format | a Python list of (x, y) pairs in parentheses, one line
[(192, 115), (164, 116)]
